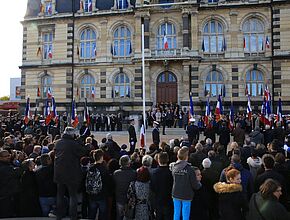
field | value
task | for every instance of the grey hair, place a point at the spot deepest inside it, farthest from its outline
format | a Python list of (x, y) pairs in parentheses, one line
[(69, 131), (109, 136), (124, 161), (147, 161)]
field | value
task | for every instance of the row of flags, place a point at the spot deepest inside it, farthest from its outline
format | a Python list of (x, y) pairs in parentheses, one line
[(47, 54), (265, 116), (45, 7)]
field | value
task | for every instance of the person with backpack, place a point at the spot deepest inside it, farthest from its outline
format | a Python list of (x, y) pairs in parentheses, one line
[(97, 182)]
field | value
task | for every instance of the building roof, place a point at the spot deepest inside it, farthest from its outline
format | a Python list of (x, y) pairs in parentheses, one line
[(65, 6)]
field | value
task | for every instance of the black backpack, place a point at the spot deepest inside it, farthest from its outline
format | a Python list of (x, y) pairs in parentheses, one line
[(94, 183)]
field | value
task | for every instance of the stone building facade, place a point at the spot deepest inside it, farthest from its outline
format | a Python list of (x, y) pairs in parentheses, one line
[(92, 49)]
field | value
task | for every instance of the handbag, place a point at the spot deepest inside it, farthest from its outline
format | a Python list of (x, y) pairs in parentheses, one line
[(256, 206), (130, 207)]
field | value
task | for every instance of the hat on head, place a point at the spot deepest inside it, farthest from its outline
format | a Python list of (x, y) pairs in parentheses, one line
[(155, 122), (192, 119), (131, 119)]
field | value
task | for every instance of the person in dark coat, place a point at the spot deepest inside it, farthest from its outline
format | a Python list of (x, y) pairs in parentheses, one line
[(122, 178), (210, 133), (45, 185), (192, 131), (256, 136), (161, 185), (197, 157), (265, 204), (268, 135), (156, 134), (85, 131), (224, 133), (113, 148), (239, 134), (9, 185), (67, 159), (132, 136), (28, 198), (232, 202)]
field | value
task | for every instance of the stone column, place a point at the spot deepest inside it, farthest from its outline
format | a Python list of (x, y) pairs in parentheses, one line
[(185, 30), (195, 41), (146, 32)]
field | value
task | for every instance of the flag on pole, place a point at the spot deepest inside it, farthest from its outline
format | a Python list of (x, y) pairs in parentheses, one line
[(81, 5), (95, 51), (27, 111), (279, 111), (191, 106), (207, 114), (249, 109), (86, 113), (232, 116), (38, 92), (202, 45), (49, 53), (244, 43), (247, 90), (93, 92), (113, 51), (267, 93), (53, 106), (224, 45), (90, 6), (165, 42), (74, 115), (265, 120), (49, 93), (267, 42), (49, 9), (47, 113), (38, 53), (218, 109), (142, 137)]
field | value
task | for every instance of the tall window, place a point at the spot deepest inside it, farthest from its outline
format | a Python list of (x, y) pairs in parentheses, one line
[(253, 30), (122, 42), (122, 4), (88, 5), (46, 83), (86, 86), (47, 38), (212, 1), (166, 32), (88, 47), (214, 84), (122, 86), (255, 82), (213, 37)]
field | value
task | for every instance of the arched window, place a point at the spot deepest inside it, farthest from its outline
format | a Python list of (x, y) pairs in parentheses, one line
[(87, 85), (122, 42), (214, 84), (46, 83), (47, 39), (213, 37), (166, 77), (253, 30), (166, 37), (88, 47), (255, 82), (122, 86)]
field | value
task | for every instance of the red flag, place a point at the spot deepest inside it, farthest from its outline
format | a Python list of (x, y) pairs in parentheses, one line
[(93, 92), (74, 115), (38, 92), (244, 42), (49, 93), (142, 137), (27, 111)]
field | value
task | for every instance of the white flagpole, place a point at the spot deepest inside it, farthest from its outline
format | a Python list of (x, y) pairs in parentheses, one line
[(143, 89)]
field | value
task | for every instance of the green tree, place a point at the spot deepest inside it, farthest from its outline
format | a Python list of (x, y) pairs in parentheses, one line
[(4, 98)]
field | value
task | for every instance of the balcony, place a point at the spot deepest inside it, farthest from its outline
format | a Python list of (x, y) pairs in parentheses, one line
[(166, 53)]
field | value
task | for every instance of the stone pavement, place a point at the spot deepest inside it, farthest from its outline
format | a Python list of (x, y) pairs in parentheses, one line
[(121, 137)]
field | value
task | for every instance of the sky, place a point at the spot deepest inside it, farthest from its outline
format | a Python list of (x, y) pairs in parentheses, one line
[(10, 42)]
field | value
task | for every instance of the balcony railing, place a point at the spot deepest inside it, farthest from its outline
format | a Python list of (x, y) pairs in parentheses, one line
[(167, 53)]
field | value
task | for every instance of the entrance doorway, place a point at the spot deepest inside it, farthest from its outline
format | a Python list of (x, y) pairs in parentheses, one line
[(166, 87)]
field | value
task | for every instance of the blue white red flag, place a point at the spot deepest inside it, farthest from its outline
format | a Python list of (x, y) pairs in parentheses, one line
[(249, 109), (74, 115), (27, 111), (218, 109)]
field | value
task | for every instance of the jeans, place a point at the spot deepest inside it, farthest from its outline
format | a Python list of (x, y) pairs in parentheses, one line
[(97, 204), (73, 201), (47, 204), (120, 208), (183, 205)]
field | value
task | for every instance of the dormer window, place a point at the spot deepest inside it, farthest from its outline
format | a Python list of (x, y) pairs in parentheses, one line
[(122, 4), (48, 8)]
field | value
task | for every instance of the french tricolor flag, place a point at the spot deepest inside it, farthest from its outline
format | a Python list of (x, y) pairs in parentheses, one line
[(249, 109), (142, 137), (267, 42), (90, 6), (48, 115), (27, 111), (93, 92), (279, 111), (232, 117), (74, 115), (165, 42), (49, 93), (207, 114), (49, 54), (218, 109)]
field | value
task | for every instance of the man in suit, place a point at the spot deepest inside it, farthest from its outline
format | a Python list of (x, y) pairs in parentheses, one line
[(192, 131), (132, 135), (156, 134)]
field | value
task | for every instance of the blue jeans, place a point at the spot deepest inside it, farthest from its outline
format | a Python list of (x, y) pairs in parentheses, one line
[(97, 204), (47, 204), (183, 205)]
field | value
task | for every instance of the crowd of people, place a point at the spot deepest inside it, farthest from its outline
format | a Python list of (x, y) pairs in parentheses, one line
[(72, 174)]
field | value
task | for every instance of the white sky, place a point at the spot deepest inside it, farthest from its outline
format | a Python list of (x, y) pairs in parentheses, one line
[(10, 42)]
